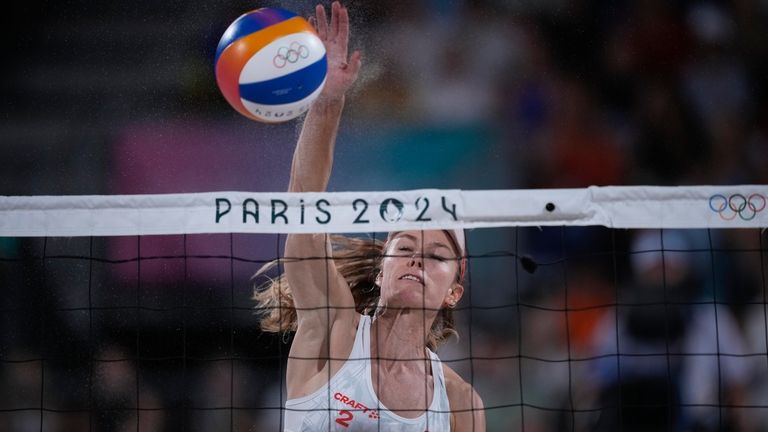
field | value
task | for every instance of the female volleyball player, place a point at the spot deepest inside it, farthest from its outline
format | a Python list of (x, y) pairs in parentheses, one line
[(367, 321)]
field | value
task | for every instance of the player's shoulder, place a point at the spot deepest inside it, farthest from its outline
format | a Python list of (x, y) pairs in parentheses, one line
[(460, 392), (452, 379)]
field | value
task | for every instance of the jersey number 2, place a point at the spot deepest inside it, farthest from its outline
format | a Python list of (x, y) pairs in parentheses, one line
[(344, 418)]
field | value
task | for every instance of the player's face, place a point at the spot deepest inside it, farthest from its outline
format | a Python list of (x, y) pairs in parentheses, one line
[(418, 270)]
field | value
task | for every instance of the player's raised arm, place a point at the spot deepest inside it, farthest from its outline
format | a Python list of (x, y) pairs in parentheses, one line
[(313, 158), (319, 291)]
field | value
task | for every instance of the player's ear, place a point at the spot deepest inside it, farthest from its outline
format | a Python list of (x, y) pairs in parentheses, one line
[(454, 295)]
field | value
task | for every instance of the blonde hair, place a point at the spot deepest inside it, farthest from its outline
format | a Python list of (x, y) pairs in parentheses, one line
[(358, 261)]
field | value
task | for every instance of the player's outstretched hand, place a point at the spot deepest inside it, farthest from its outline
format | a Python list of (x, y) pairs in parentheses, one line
[(342, 67)]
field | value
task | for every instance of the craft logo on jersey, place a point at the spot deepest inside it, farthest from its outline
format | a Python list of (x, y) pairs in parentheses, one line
[(345, 416), (733, 205), (291, 54)]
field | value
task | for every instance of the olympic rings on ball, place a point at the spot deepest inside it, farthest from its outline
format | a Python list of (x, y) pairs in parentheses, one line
[(737, 205), (287, 55)]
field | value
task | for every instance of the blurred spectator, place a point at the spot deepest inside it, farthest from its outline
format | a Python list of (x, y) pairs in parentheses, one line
[(654, 36), (441, 65), (224, 385), (583, 149), (756, 327), (670, 146), (115, 391), (745, 273), (670, 363), (715, 82), (20, 387), (715, 79)]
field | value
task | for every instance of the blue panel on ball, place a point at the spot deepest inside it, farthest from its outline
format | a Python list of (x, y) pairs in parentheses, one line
[(251, 22), (286, 89)]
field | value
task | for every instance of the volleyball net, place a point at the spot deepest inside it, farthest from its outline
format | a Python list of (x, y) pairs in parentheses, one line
[(606, 308)]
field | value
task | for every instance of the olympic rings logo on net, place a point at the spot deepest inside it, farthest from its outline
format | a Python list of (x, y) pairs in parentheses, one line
[(290, 54), (737, 205)]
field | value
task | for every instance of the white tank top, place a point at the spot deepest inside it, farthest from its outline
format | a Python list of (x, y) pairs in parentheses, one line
[(349, 403)]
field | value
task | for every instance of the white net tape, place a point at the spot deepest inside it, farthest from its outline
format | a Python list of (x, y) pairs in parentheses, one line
[(742, 206)]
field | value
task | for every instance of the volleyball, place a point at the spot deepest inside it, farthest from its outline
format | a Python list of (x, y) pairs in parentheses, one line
[(270, 65)]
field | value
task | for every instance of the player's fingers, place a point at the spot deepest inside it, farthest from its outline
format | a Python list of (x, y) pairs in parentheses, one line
[(354, 64), (334, 30), (322, 22), (342, 35)]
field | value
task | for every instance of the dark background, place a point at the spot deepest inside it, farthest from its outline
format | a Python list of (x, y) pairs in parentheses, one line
[(120, 98)]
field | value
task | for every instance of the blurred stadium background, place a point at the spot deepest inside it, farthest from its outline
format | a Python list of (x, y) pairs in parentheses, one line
[(120, 98)]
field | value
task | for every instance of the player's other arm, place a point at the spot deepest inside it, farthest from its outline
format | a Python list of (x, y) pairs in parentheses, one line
[(467, 409)]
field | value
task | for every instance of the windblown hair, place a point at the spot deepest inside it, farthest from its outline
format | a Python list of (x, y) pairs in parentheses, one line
[(358, 261)]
